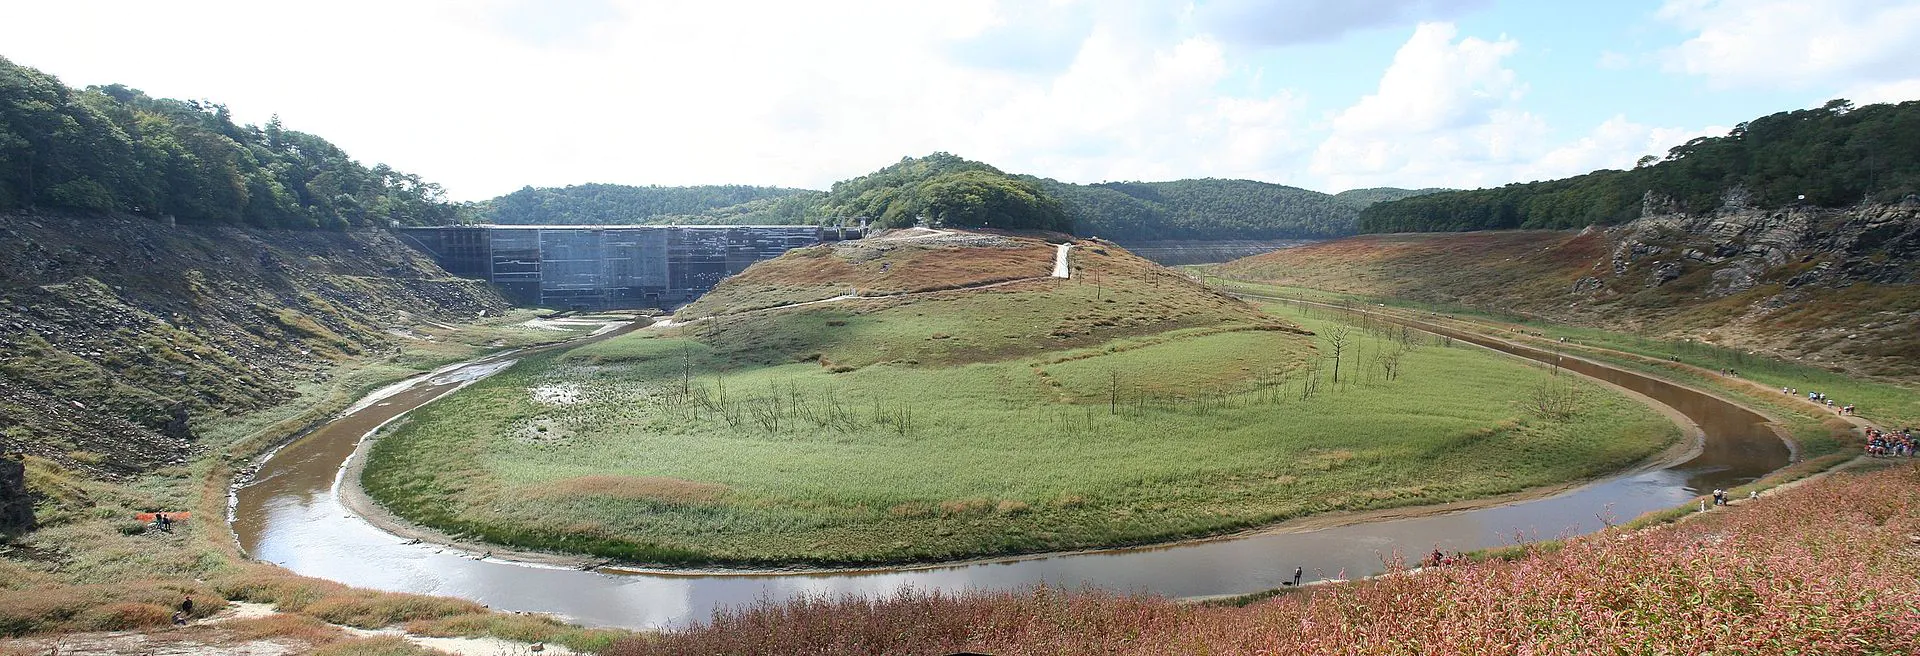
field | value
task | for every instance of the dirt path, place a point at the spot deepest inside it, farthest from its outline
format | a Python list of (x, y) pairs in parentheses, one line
[(1060, 262)]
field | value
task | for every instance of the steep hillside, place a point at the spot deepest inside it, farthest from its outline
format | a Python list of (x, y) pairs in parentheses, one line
[(1833, 156), (120, 335), (1834, 287)]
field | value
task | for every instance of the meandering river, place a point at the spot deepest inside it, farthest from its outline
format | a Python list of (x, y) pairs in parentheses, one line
[(291, 514)]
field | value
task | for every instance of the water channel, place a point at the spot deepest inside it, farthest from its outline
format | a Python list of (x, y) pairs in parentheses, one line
[(291, 514)]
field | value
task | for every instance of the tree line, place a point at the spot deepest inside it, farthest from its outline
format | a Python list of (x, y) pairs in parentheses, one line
[(613, 204), (946, 189), (1212, 208), (1832, 156), (115, 149)]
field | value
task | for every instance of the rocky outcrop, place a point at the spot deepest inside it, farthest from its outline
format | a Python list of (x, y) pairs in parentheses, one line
[(118, 333), (16, 507), (1833, 286)]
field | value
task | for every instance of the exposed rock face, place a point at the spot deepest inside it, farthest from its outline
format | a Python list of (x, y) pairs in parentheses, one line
[(1826, 285), (16, 508), (117, 334)]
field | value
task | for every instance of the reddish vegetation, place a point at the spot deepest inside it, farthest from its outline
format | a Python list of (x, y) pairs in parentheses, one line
[(1828, 568)]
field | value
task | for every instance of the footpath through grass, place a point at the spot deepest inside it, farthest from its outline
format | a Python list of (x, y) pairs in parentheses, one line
[(669, 450)]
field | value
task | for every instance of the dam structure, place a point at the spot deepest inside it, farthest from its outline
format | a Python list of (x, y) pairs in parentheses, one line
[(580, 267)]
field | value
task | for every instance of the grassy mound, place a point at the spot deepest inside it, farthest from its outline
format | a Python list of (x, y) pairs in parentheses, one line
[(1120, 406)]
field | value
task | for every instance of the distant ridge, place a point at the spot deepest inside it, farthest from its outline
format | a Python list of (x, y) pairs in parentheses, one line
[(1198, 209)]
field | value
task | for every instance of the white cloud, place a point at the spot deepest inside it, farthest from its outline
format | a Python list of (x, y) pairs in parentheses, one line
[(1448, 113), (1839, 45), (487, 96), (1283, 22)]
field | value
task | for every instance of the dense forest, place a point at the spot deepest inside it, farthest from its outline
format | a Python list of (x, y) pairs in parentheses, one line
[(115, 149), (613, 204), (1833, 156), (1212, 209), (943, 189)]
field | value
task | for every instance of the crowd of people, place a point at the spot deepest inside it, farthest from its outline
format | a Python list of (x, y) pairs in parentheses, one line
[(1890, 443), (1820, 399), (1896, 443)]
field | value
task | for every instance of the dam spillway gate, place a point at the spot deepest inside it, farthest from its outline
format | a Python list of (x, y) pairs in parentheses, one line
[(609, 267)]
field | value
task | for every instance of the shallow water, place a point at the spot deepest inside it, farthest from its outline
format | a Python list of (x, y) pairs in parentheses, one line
[(291, 514)]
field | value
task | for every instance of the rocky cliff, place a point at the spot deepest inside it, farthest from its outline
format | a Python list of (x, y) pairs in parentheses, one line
[(1833, 287), (16, 508), (119, 334)]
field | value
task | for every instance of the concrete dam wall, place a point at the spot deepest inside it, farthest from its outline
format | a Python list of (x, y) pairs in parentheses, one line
[(609, 267)]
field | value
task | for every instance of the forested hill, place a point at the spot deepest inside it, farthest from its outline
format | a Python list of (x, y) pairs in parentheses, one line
[(1833, 156), (115, 149), (1213, 209), (613, 204), (948, 189)]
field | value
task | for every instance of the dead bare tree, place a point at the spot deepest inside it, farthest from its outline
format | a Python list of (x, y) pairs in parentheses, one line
[(1338, 339), (1556, 397)]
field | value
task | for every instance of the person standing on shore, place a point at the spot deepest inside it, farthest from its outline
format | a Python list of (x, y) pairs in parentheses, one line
[(1297, 573)]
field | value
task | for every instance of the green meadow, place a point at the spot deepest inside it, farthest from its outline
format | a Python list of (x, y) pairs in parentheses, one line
[(720, 445)]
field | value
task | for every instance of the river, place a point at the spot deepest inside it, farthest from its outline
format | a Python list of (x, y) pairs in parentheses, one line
[(291, 514)]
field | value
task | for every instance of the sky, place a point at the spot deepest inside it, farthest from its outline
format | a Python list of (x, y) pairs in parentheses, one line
[(487, 96)]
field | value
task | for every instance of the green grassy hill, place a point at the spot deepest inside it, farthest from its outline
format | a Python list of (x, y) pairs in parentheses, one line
[(942, 396)]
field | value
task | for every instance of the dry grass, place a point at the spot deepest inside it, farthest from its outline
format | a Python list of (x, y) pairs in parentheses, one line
[(104, 607), (281, 626), (338, 603), (873, 268), (385, 645), (522, 628)]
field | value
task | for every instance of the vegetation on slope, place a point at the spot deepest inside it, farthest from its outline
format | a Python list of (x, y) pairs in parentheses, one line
[(1829, 288), (92, 566), (948, 190), (122, 335), (115, 149), (610, 204), (1122, 406), (944, 190), (1826, 568), (1211, 209), (1833, 156)]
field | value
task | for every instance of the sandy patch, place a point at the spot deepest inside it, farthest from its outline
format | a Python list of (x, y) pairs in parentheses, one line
[(566, 394)]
